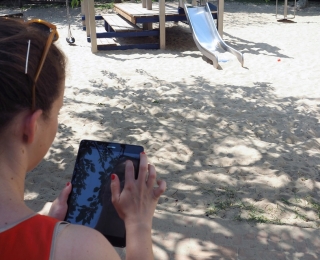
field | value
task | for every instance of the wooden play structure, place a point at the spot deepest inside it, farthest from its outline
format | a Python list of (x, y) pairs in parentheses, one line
[(136, 20)]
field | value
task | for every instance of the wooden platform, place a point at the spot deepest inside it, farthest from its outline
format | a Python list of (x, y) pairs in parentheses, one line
[(136, 14)]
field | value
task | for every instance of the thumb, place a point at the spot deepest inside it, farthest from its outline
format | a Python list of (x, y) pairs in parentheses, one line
[(115, 189), (64, 194), (59, 206)]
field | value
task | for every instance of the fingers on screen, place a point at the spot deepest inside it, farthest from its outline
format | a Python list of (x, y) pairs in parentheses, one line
[(143, 168), (152, 175), (115, 188), (129, 175)]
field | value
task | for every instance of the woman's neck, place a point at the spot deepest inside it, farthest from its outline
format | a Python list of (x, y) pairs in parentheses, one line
[(12, 179), (12, 206)]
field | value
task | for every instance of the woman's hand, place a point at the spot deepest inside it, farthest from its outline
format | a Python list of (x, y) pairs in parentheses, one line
[(59, 206), (138, 200)]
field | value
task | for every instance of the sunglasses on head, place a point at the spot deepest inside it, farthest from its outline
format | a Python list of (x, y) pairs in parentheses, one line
[(51, 31)]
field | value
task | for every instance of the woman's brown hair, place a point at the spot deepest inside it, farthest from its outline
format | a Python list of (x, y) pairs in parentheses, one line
[(15, 84)]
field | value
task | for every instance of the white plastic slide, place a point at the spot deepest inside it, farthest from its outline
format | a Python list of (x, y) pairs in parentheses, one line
[(206, 35)]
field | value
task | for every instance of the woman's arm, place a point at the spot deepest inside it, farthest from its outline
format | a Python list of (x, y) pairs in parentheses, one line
[(77, 242)]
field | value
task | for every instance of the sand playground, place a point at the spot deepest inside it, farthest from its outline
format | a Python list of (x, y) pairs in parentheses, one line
[(236, 145)]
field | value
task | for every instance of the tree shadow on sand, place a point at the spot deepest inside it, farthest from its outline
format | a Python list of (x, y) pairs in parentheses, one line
[(229, 154)]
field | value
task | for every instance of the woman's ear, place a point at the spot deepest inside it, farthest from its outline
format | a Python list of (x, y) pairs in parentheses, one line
[(31, 125)]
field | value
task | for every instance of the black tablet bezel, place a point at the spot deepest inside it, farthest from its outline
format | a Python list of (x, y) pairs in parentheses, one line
[(130, 149)]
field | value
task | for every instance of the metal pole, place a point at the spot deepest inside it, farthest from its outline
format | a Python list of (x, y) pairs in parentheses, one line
[(162, 24), (220, 17), (285, 12)]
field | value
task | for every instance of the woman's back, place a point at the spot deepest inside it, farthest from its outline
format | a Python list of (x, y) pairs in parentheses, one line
[(35, 235)]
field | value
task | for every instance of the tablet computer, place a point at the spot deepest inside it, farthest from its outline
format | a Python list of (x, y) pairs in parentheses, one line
[(89, 202)]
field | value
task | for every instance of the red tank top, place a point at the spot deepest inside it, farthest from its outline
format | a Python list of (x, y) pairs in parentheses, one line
[(30, 239)]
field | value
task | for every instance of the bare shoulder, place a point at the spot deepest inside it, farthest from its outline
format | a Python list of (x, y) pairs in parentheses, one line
[(80, 242)]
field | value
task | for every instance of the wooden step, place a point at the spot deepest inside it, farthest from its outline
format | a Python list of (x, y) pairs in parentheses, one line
[(118, 24), (104, 41)]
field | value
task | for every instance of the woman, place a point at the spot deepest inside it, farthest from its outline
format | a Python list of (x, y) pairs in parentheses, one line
[(32, 74)]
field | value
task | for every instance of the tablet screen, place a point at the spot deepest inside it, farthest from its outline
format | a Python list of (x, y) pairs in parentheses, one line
[(90, 203)]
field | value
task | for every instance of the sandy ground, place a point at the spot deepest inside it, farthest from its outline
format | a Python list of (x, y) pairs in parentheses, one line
[(239, 143)]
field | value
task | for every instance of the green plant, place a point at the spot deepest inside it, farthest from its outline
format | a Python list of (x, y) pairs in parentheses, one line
[(222, 205), (315, 205), (258, 218), (230, 193), (251, 208), (301, 215), (277, 221), (285, 201), (237, 217), (75, 3), (104, 5), (211, 210), (298, 200)]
